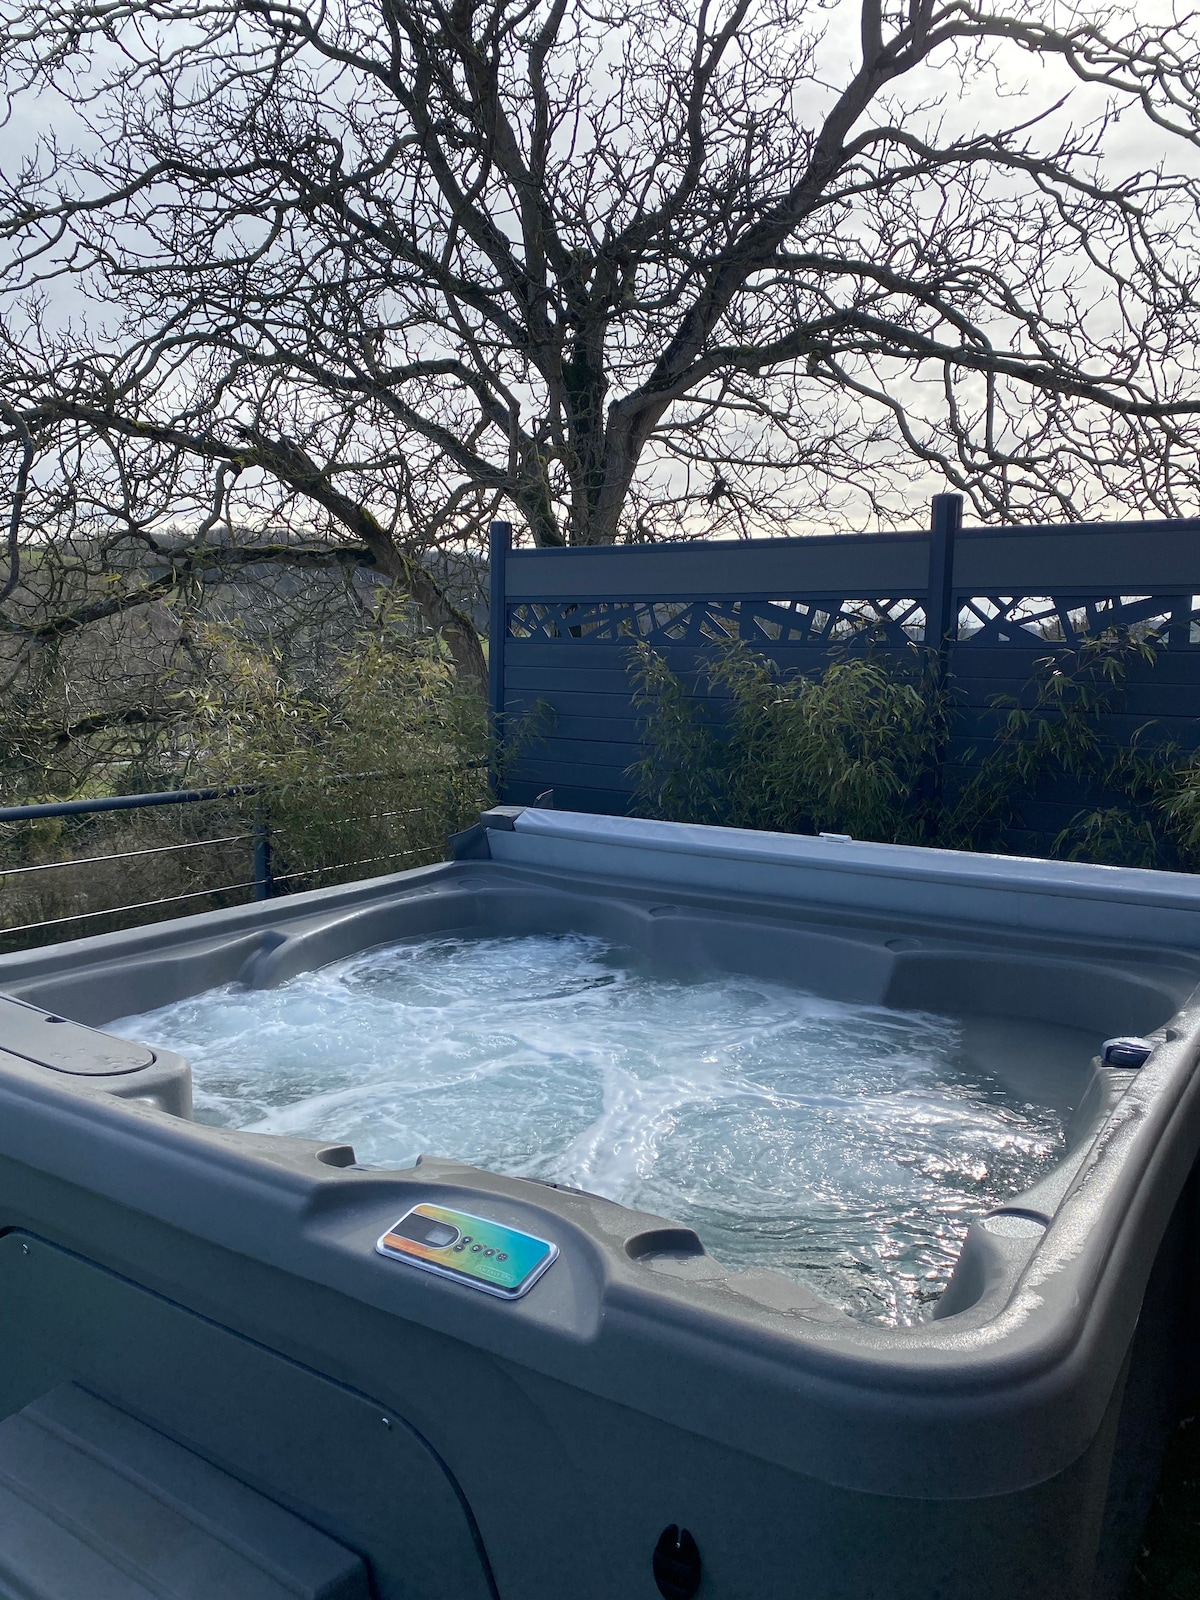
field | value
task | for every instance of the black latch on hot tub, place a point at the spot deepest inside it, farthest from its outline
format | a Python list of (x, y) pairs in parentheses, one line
[(1125, 1052)]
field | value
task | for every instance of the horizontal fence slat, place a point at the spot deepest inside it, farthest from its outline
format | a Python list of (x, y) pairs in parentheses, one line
[(605, 730), (1115, 726), (594, 750), (553, 657), (589, 774), (536, 681), (1013, 661), (1132, 557), (567, 652), (755, 568), (571, 702), (552, 654)]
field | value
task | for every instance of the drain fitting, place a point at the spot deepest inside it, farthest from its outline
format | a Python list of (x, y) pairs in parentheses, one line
[(676, 1564)]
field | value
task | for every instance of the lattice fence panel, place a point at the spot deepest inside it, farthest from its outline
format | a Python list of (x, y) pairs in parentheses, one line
[(815, 620)]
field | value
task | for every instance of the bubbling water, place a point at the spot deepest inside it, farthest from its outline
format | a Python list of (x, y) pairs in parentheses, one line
[(849, 1146)]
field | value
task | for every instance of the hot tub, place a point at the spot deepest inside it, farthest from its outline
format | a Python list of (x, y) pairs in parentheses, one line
[(647, 1419)]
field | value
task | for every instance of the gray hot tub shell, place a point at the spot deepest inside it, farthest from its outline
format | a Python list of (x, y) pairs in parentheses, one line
[(222, 1289)]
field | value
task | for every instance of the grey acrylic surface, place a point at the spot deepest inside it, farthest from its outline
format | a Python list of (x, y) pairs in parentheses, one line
[(95, 1504), (637, 1348), (63, 1046), (318, 1449)]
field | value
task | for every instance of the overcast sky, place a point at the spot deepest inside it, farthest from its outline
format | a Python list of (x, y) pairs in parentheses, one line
[(1015, 89)]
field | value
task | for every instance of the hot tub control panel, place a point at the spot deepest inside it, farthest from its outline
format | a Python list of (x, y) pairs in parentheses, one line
[(472, 1250)]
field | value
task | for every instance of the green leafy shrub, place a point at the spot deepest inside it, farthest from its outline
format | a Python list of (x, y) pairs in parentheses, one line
[(860, 749), (364, 770), (847, 752), (683, 770), (1056, 730), (366, 773)]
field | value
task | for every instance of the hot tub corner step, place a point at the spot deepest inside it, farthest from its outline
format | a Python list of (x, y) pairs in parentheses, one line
[(94, 1503)]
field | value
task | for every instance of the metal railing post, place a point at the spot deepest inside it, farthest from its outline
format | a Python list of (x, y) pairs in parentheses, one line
[(264, 881)]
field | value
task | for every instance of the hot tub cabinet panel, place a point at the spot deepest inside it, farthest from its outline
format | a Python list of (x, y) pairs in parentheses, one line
[(223, 1289)]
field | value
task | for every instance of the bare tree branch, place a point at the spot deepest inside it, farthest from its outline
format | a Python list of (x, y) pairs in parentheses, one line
[(678, 267)]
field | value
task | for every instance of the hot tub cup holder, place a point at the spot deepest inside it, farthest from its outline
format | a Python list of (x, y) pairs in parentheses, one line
[(1012, 1222), (337, 1155), (656, 1243)]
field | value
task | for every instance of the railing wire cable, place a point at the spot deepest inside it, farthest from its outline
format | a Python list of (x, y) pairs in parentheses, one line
[(123, 855), (117, 911)]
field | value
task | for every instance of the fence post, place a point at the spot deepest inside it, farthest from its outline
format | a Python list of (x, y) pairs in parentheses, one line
[(499, 544), (941, 624), (264, 881), (941, 627)]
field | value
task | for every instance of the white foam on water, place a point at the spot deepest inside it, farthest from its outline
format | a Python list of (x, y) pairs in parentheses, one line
[(846, 1145)]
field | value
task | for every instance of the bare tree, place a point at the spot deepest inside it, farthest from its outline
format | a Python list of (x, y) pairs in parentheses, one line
[(377, 268)]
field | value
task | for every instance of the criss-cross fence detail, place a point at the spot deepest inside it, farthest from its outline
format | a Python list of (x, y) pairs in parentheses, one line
[(1069, 619), (820, 619), (993, 600)]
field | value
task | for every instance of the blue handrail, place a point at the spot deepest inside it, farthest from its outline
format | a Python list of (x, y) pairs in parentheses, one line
[(121, 802)]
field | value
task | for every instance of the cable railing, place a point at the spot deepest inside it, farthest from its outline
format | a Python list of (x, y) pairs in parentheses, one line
[(74, 892)]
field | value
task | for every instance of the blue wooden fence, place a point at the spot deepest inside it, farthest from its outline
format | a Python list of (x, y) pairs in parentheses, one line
[(995, 600)]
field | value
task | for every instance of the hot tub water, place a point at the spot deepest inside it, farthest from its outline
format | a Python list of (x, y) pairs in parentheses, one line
[(846, 1145)]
